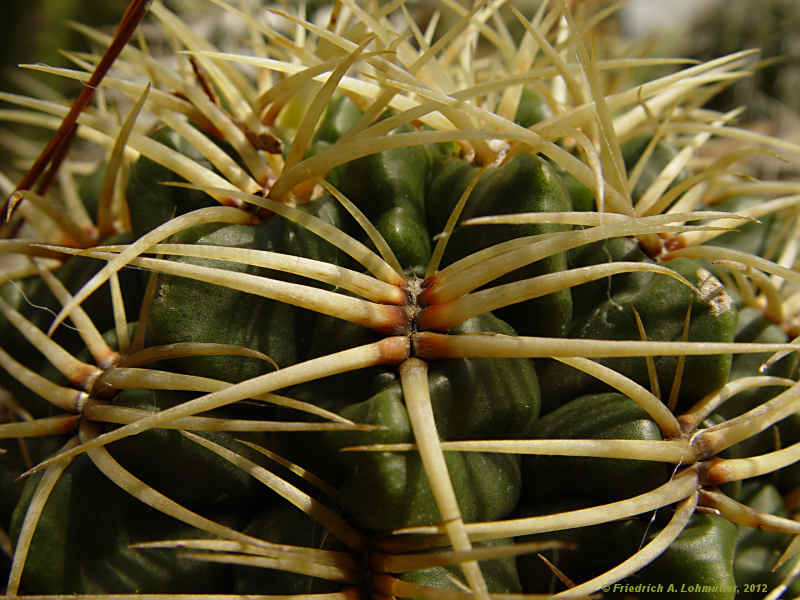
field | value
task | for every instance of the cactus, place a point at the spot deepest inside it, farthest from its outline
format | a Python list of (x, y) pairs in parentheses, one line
[(360, 314)]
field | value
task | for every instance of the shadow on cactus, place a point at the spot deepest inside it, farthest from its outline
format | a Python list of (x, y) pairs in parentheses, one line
[(365, 312)]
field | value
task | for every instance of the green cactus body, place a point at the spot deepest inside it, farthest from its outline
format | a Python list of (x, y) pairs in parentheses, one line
[(467, 406), (757, 548), (68, 553), (661, 154), (597, 416), (705, 552), (381, 343), (607, 312), (524, 184)]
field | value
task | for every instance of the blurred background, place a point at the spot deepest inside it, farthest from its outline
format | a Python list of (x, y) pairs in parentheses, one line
[(35, 30)]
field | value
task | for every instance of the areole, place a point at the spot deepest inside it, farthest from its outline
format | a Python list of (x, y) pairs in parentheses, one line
[(414, 318)]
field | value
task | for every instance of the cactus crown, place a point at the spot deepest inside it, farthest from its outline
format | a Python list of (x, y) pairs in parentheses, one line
[(423, 302)]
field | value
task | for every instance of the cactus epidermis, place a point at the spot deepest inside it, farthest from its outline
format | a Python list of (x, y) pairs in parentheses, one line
[(417, 309)]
